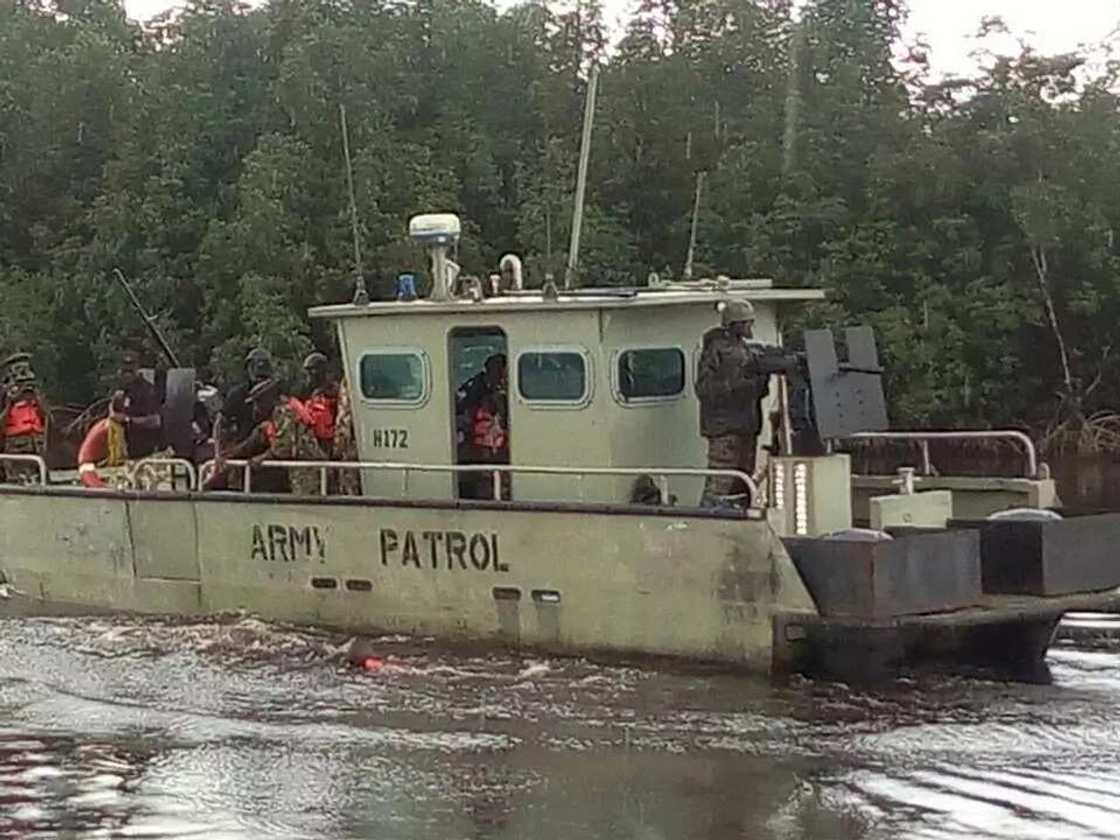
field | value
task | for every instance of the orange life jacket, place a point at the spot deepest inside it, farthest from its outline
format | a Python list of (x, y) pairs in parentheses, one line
[(302, 415), (25, 418), (322, 409), (486, 430)]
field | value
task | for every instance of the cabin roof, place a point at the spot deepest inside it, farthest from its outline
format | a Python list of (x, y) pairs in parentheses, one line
[(595, 299)]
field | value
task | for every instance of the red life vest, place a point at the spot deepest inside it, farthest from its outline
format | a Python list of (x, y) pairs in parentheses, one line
[(300, 410), (25, 418), (302, 415), (486, 431), (322, 409)]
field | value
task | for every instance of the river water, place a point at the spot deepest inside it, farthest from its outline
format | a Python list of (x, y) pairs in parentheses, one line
[(238, 729), (143, 728)]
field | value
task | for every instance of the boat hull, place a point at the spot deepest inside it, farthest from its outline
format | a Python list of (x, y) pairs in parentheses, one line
[(575, 579), (1004, 637), (571, 579)]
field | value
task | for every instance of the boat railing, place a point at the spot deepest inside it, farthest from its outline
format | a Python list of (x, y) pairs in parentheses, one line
[(660, 475), (37, 460), (137, 475), (135, 471), (923, 439)]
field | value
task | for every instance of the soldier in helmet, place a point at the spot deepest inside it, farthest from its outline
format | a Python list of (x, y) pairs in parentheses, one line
[(730, 385), (282, 433), (235, 421), (322, 400), (23, 416)]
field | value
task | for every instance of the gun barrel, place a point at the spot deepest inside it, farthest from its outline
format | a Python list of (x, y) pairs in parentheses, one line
[(148, 320)]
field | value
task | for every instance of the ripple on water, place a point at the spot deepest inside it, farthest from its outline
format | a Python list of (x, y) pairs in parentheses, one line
[(239, 728)]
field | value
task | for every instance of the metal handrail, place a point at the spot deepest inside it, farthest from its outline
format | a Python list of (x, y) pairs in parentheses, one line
[(983, 434), (207, 470), (183, 463), (37, 460)]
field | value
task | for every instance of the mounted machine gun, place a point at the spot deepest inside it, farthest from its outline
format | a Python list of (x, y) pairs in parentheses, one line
[(180, 390)]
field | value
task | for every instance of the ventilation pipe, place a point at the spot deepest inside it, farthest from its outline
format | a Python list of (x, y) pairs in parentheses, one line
[(510, 268)]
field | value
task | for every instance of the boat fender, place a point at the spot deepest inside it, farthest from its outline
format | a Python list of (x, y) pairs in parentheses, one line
[(1025, 515), (858, 535)]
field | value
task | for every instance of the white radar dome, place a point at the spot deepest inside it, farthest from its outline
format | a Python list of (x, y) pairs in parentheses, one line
[(434, 228)]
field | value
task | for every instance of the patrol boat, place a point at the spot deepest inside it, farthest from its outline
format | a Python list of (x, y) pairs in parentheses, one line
[(562, 558)]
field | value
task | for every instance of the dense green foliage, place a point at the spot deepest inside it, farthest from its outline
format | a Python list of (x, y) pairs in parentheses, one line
[(970, 221)]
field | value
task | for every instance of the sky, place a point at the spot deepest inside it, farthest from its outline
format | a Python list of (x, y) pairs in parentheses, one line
[(1051, 26)]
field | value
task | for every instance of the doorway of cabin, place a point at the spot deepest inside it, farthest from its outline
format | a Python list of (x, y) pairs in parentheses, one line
[(481, 433)]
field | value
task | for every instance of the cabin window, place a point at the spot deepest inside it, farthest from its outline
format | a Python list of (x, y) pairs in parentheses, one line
[(650, 373), (393, 375), (553, 376)]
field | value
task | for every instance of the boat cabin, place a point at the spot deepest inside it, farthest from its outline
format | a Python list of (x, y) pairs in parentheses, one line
[(597, 378)]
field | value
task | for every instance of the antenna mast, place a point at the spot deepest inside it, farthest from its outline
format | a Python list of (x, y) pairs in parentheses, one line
[(361, 296), (700, 175), (570, 274)]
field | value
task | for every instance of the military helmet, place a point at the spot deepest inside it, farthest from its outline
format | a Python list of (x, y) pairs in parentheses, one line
[(314, 360), (12, 359), (258, 354), (736, 311), (17, 370)]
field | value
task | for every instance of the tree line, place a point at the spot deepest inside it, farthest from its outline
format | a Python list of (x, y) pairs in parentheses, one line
[(971, 220)]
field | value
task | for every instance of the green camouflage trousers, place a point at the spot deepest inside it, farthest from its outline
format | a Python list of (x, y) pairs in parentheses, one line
[(23, 445), (296, 442), (728, 452), (345, 482)]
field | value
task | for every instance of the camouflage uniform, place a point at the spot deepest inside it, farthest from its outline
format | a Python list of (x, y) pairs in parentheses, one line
[(294, 440), (729, 452), (32, 444), (23, 420), (346, 445), (731, 386)]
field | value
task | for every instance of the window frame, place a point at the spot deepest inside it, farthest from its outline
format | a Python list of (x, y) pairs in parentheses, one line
[(384, 402), (638, 402), (581, 402)]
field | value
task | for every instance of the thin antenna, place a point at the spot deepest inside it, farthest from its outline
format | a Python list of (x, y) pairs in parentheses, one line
[(581, 179), (548, 234), (793, 101), (695, 223), (361, 296), (700, 176)]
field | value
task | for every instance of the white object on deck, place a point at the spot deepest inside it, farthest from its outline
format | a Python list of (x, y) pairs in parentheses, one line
[(1026, 514)]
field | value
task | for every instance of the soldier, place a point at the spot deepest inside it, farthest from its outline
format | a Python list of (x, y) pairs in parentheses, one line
[(731, 385), (283, 433), (23, 417), (483, 410), (322, 402), (143, 424), (235, 421)]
